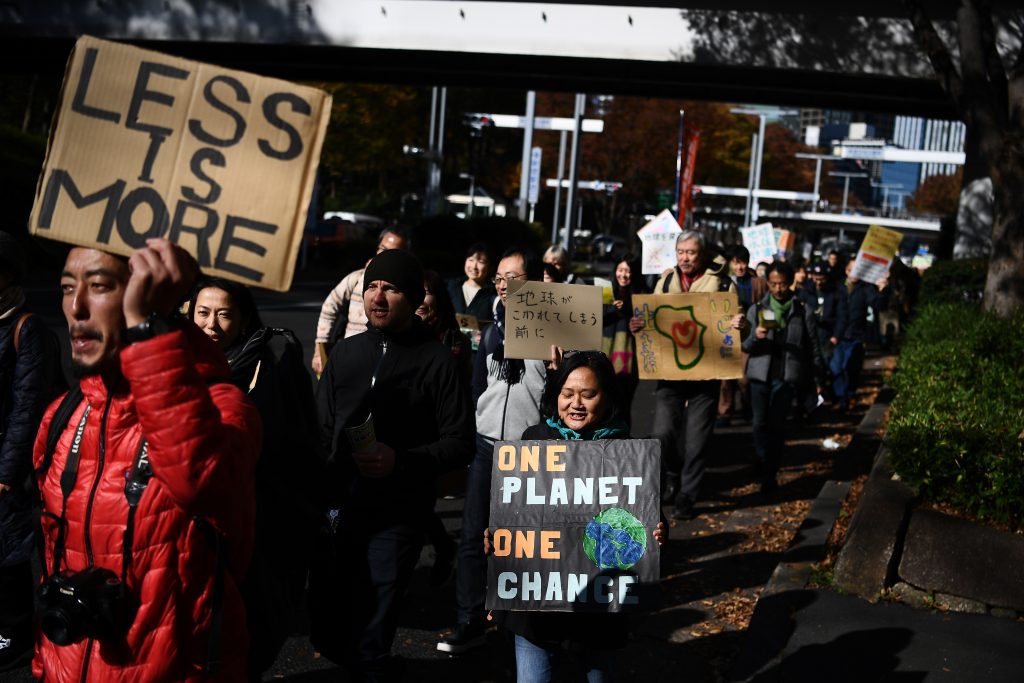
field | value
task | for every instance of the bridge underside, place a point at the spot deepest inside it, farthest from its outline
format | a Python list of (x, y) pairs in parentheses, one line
[(778, 53), (560, 74)]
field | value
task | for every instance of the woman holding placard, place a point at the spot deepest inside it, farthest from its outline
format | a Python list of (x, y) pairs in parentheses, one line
[(579, 403)]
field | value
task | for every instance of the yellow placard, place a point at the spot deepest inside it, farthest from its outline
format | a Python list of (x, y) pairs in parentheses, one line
[(221, 162), (876, 253), (688, 336)]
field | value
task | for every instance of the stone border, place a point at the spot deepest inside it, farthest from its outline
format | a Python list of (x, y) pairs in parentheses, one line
[(808, 546)]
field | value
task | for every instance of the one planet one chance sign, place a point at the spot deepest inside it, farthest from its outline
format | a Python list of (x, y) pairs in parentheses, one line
[(571, 525)]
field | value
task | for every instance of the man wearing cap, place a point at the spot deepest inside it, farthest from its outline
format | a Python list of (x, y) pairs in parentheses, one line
[(829, 309), (346, 299), (398, 376)]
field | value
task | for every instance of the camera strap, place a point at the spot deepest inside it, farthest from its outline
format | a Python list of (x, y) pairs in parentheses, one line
[(138, 480), (67, 484)]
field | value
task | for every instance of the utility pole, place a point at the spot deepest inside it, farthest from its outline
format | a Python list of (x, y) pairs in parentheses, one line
[(435, 151), (558, 188), (846, 193), (570, 205), (524, 176)]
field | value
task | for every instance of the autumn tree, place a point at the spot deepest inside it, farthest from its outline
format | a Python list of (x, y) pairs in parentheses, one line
[(363, 166), (938, 194)]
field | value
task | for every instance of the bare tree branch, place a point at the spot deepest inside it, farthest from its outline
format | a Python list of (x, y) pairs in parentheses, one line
[(938, 54)]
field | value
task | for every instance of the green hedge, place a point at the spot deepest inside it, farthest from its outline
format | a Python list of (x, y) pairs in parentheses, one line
[(951, 282), (957, 425)]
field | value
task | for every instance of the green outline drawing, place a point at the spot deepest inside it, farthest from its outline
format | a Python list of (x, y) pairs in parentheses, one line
[(700, 334)]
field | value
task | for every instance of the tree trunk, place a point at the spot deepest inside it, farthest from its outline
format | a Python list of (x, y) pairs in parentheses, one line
[(974, 216), (1004, 285)]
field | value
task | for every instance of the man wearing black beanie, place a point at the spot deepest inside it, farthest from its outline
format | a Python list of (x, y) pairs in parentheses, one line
[(394, 413)]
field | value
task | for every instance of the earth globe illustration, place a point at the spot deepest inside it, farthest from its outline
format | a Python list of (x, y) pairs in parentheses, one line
[(615, 539)]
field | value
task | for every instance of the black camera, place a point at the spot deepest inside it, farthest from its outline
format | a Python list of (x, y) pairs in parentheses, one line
[(91, 603)]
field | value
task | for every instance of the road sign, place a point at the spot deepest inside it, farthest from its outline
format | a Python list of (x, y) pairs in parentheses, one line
[(534, 187)]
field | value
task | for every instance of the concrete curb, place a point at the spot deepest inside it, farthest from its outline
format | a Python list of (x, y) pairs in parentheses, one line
[(808, 545), (785, 593)]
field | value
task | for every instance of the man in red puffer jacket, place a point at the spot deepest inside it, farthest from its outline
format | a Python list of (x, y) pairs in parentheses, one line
[(146, 376)]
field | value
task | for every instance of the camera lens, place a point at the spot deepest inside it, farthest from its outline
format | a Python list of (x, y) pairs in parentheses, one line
[(58, 627)]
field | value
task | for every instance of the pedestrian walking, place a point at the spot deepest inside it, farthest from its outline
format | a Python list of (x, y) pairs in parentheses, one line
[(684, 411), (783, 352), (394, 414), (749, 288), (618, 343), (29, 371), (474, 294), (507, 394), (579, 403), (267, 364), (344, 305), (146, 476)]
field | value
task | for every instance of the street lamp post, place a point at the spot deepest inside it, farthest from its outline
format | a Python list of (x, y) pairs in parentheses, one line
[(472, 192), (846, 193), (762, 115), (817, 167)]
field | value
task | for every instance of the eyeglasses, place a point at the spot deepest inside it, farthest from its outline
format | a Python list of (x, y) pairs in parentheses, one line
[(508, 277)]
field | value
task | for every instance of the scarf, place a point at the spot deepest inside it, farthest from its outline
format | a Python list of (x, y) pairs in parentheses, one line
[(781, 310), (686, 281), (613, 429), (512, 369), (11, 301)]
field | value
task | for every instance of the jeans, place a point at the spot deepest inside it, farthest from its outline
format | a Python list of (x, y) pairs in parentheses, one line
[(846, 364), (377, 572), (471, 569), (533, 663), (684, 444), (770, 403)]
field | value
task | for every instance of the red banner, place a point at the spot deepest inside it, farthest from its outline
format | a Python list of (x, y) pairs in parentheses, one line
[(686, 178)]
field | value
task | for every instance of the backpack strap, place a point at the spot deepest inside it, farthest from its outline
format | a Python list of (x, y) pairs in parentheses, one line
[(17, 329), (60, 420), (668, 281)]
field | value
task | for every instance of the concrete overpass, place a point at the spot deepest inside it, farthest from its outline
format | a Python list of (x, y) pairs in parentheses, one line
[(857, 56)]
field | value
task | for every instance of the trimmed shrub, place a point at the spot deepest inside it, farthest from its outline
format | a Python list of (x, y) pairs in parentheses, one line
[(957, 426), (951, 282)]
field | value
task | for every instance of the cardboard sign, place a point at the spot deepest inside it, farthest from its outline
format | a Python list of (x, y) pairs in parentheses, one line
[(659, 244), (760, 242), (688, 336), (467, 321), (146, 145), (539, 314), (784, 241), (876, 254), (572, 525)]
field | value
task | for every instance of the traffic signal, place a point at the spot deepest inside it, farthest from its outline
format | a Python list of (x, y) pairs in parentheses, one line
[(477, 123)]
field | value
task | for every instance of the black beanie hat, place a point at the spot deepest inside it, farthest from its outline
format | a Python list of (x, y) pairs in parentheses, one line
[(401, 269)]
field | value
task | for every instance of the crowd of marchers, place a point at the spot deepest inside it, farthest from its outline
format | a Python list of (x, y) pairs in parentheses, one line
[(188, 492)]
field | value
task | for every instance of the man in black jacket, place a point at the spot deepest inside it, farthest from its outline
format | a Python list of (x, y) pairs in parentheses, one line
[(398, 376)]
